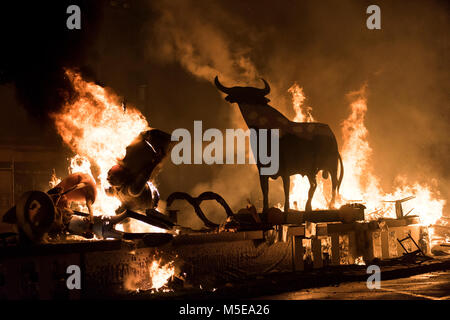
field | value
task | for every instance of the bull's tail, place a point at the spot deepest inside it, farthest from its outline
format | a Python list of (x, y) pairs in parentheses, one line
[(341, 174)]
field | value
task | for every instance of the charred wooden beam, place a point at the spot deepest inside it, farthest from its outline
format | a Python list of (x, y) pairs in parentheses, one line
[(341, 215)]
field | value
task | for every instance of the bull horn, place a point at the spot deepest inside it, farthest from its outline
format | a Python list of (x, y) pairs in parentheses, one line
[(266, 89), (221, 87)]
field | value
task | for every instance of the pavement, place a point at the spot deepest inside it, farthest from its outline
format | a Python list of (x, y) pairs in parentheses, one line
[(428, 286), (429, 280)]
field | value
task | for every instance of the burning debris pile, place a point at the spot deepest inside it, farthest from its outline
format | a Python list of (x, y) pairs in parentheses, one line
[(156, 279), (360, 184), (98, 129), (115, 146), (117, 155), (110, 194)]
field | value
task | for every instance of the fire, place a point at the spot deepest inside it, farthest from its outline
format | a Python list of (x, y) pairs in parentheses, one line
[(300, 185), (160, 274), (302, 112), (360, 182), (98, 129), (54, 180), (155, 277), (360, 261)]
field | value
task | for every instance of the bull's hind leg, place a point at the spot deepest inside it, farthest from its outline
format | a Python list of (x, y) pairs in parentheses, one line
[(312, 189), (286, 187), (264, 181), (334, 184)]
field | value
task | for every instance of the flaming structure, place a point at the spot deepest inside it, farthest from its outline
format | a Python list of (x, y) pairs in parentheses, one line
[(360, 183), (98, 129)]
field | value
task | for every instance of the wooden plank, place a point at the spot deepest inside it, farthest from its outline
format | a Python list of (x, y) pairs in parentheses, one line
[(63, 247), (322, 229), (400, 234), (425, 243), (200, 238), (335, 250), (392, 223), (376, 240), (299, 217), (285, 233), (12, 280), (392, 234), (384, 245), (316, 248), (297, 231), (415, 234), (297, 253), (346, 227), (352, 249), (369, 250), (310, 229)]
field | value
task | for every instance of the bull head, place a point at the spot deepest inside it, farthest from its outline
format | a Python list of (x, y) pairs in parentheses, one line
[(244, 94)]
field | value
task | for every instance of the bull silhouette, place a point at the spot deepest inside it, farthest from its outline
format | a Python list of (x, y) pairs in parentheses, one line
[(304, 147)]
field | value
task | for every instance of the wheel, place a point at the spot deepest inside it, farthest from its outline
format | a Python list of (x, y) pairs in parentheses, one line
[(35, 214)]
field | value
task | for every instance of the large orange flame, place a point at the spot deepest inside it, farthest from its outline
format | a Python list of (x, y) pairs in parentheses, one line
[(98, 129), (360, 182), (300, 184), (160, 274), (155, 279)]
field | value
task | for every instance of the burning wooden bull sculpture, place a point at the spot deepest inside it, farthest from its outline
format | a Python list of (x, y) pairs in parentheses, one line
[(304, 148)]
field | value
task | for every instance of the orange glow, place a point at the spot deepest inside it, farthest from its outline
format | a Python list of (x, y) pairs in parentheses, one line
[(160, 274), (98, 129), (302, 112), (360, 183), (154, 279), (54, 180), (300, 184)]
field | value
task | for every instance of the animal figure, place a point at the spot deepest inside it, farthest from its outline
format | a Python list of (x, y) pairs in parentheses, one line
[(78, 187), (304, 148)]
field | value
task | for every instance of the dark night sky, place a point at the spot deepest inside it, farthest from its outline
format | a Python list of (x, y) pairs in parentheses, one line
[(176, 47)]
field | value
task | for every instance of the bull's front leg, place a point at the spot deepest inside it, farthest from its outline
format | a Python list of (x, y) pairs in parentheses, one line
[(312, 189), (264, 181), (286, 187)]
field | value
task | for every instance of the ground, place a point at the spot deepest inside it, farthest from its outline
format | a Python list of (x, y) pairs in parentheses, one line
[(428, 286), (429, 280)]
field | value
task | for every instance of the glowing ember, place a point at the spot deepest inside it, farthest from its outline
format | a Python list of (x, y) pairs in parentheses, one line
[(160, 274), (54, 180), (154, 279), (360, 261), (360, 183), (98, 129)]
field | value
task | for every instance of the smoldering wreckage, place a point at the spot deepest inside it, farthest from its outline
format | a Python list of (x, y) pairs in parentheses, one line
[(51, 235)]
